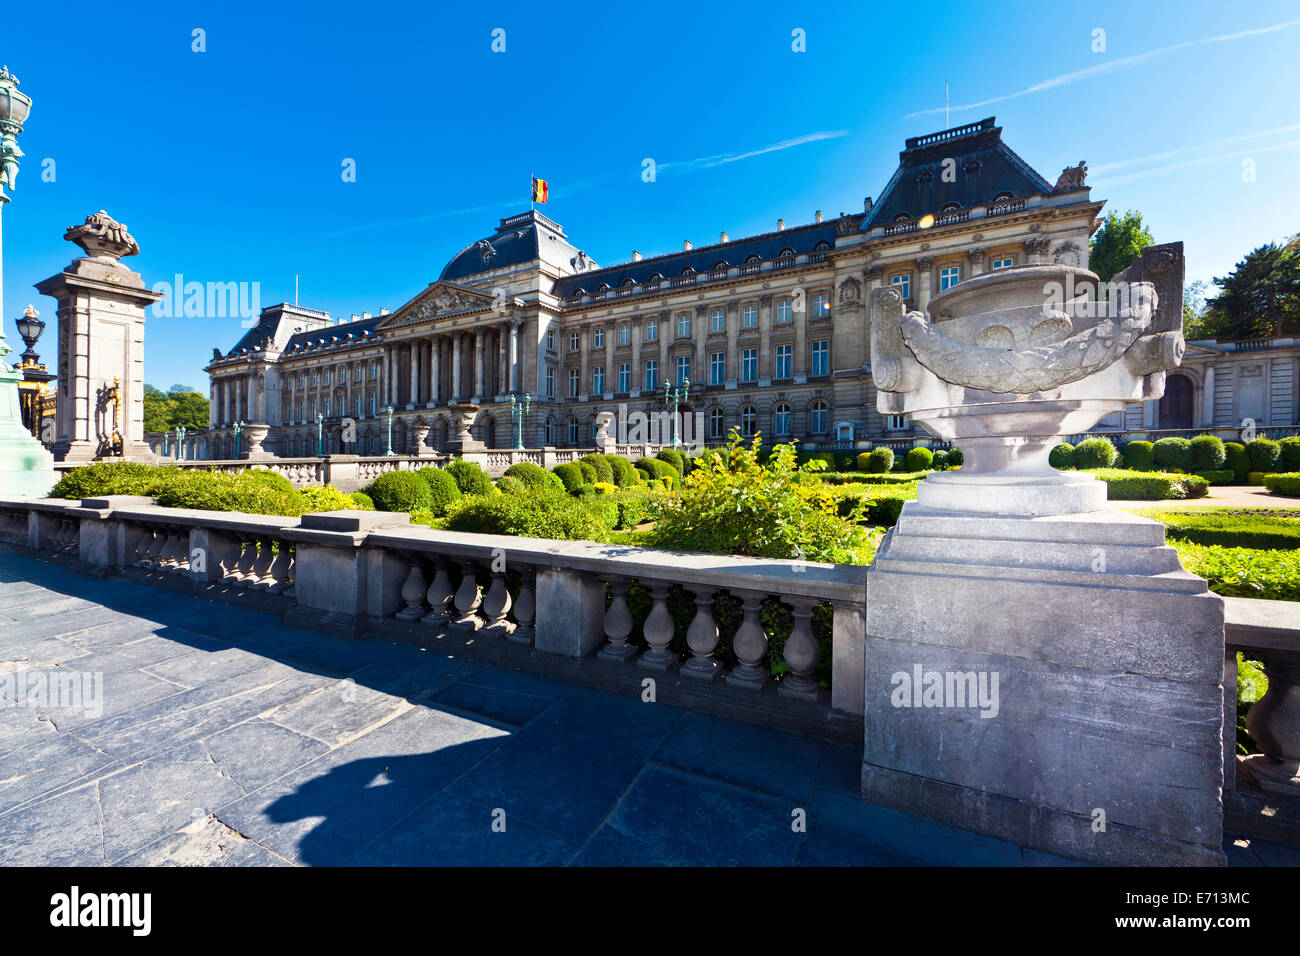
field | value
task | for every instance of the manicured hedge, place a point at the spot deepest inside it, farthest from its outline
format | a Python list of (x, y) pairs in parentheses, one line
[(510, 485), (1220, 476), (256, 491), (545, 513), (677, 458), (1094, 453), (1139, 455), (1264, 454), (624, 473), (1174, 453), (1208, 453), (533, 476), (1238, 459), (1230, 528), (1150, 486), (113, 478), (940, 459), (400, 491), (589, 473), (1061, 457), (660, 469), (570, 476), (603, 470), (470, 478), (1290, 454), (363, 501), (919, 459), (443, 490), (877, 461), (955, 458), (1287, 484), (326, 498)]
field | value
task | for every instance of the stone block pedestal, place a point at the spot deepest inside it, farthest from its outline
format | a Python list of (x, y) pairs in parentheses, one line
[(1052, 681)]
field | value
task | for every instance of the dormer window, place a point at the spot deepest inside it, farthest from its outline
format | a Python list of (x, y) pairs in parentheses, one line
[(902, 217)]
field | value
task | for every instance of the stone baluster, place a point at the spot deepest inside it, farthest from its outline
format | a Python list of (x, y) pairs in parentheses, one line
[(141, 550), (801, 652), (702, 638), (243, 573), (496, 605), (658, 630), (281, 571), (618, 625), (262, 578), (413, 589), (438, 594), (525, 607), (750, 645), (180, 550), (1274, 722), (468, 600), (157, 543)]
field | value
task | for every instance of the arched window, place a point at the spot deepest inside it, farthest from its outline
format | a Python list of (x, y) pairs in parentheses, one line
[(821, 246), (786, 253), (748, 421), (573, 431), (902, 217), (720, 264), (603, 287), (717, 423), (950, 207), (549, 431), (817, 418), (688, 271), (1002, 197), (657, 277), (753, 259), (781, 422), (629, 283)]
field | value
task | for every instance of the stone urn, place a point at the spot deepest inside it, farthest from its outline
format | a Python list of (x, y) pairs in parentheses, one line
[(605, 442), (419, 432), (1005, 364), (255, 435), (464, 416)]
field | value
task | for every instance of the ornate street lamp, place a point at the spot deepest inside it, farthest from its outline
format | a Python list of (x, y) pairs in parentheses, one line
[(320, 435), (390, 430), (14, 107), (238, 427), (517, 412), (180, 442), (673, 396), (30, 328)]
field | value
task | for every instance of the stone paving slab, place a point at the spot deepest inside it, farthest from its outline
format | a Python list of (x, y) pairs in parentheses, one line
[(228, 739)]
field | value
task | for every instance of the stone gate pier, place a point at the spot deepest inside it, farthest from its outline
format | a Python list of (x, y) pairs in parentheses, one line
[(1038, 668)]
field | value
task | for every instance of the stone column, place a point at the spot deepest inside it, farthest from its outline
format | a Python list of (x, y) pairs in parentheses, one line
[(666, 332), (514, 353), (699, 364), (479, 349), (638, 378), (976, 257), (435, 370), (415, 375), (457, 346), (798, 354), (733, 350), (500, 386), (584, 383), (1207, 398), (765, 322), (923, 267), (1035, 248)]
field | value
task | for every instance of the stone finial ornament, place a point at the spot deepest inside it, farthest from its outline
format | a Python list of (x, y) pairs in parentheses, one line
[(103, 237), (1071, 178)]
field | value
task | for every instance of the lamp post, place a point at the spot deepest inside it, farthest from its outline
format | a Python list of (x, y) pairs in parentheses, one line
[(517, 412), (390, 430), (320, 435), (14, 107), (674, 395), (180, 442), (238, 427)]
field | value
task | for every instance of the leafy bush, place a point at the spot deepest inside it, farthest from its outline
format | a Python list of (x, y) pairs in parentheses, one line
[(1229, 528), (1264, 454), (326, 498), (443, 490), (1244, 572), (1094, 452), (604, 487), (919, 459), (266, 478), (247, 491), (1139, 455), (570, 476), (1238, 459), (1150, 486), (113, 478), (510, 485), (1207, 453), (470, 478), (1289, 460), (1062, 456), (877, 461), (533, 476), (660, 469), (632, 509), (544, 513), (589, 473), (955, 458), (362, 500), (1174, 453), (401, 491), (603, 470), (940, 459), (677, 458), (1288, 485), (624, 473), (1219, 476), (732, 504)]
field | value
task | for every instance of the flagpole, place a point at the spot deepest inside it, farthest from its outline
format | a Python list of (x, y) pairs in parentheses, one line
[(531, 201)]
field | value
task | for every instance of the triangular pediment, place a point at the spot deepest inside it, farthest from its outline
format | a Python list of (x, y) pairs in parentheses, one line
[(444, 299)]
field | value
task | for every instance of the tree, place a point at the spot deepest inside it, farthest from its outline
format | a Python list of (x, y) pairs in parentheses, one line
[(1194, 325), (179, 405), (1261, 291), (1118, 243)]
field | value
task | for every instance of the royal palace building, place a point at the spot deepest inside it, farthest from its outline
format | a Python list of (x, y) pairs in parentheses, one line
[(770, 330)]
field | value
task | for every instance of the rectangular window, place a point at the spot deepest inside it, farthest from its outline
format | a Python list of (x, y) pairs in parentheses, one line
[(718, 321), (374, 370), (949, 276), (550, 382), (749, 365), (598, 338), (821, 358), (374, 398), (652, 331), (327, 407), (1004, 262), (749, 317), (326, 375), (298, 417), (783, 312), (598, 380), (313, 378), (575, 340), (821, 305), (573, 383), (550, 340), (904, 283), (625, 335), (651, 375), (895, 423), (717, 368), (784, 359), (625, 376), (313, 408), (359, 412), (683, 325), (683, 368)]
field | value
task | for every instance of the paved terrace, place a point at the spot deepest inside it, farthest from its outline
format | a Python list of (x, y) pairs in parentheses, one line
[(229, 739)]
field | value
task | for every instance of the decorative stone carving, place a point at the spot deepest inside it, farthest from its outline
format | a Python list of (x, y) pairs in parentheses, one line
[(103, 237), (1071, 178), (850, 290), (976, 256), (1067, 254)]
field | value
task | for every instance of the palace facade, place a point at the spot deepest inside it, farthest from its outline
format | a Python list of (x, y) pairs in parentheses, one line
[(770, 330)]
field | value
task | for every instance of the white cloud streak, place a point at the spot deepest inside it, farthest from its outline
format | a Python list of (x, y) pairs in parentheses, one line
[(1129, 177)]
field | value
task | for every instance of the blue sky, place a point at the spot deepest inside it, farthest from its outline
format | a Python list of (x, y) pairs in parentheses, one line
[(226, 164)]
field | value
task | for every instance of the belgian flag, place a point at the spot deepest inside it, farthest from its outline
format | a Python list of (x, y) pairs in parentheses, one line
[(540, 189)]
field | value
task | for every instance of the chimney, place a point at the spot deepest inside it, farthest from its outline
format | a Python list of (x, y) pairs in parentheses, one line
[(383, 311), (818, 217), (636, 256), (365, 315), (780, 225), (866, 204), (686, 245), (355, 317), (723, 237)]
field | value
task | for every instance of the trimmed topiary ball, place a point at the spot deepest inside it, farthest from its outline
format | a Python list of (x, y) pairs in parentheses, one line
[(624, 473), (443, 490), (400, 491), (1289, 461), (1207, 453), (1174, 453), (1237, 459), (919, 459), (1139, 456), (570, 476), (603, 470), (677, 459), (941, 459), (510, 485), (955, 458), (878, 461), (1062, 456), (1264, 454), (1094, 453), (589, 473), (532, 476), (470, 478), (362, 500)]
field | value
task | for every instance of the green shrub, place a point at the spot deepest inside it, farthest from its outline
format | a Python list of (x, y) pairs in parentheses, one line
[(1244, 572), (470, 478), (247, 491), (1207, 453), (603, 470), (113, 478), (660, 469), (1229, 528), (877, 461), (570, 476), (1289, 460), (510, 485), (919, 459), (677, 458), (589, 473), (1197, 487), (624, 473), (1094, 452), (443, 490), (940, 459), (1238, 459), (632, 509), (362, 500), (1139, 455), (1264, 454), (544, 513), (1151, 485), (401, 491), (1174, 453), (268, 479), (533, 476), (1286, 484), (326, 498), (955, 458), (1219, 476), (1062, 456)]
